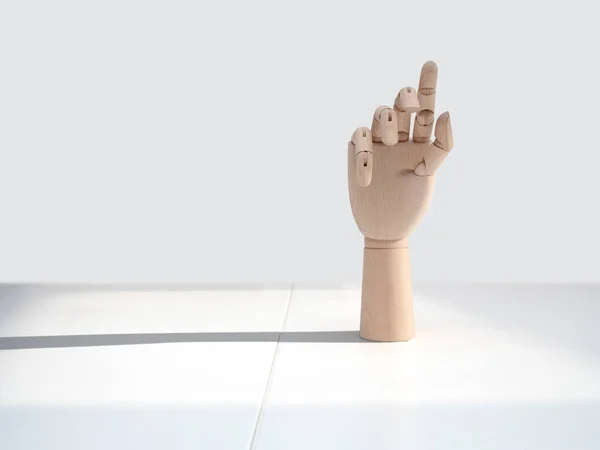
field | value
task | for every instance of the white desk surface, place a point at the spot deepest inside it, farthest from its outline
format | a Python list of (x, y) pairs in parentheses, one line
[(281, 367)]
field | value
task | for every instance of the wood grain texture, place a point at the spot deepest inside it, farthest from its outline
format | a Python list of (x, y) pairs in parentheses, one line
[(387, 311), (394, 202)]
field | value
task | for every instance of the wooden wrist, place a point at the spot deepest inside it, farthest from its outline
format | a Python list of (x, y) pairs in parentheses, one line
[(387, 311)]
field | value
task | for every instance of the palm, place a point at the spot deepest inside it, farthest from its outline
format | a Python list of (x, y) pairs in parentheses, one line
[(390, 176)]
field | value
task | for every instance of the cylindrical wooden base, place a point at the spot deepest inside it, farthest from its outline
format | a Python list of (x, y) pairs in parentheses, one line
[(387, 312)]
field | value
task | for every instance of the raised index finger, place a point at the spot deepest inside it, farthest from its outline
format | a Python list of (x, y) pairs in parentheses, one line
[(426, 114)]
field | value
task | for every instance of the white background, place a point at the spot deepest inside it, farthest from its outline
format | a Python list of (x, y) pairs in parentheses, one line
[(196, 141)]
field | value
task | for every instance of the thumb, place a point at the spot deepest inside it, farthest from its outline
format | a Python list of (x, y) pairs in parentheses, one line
[(437, 152)]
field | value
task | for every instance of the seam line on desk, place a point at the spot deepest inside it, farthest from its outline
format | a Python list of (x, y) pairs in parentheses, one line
[(258, 423)]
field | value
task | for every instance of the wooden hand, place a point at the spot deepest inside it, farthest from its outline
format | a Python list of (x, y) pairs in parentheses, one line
[(390, 179)]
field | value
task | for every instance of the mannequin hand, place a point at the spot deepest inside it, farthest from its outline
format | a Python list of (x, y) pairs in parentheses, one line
[(390, 176)]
